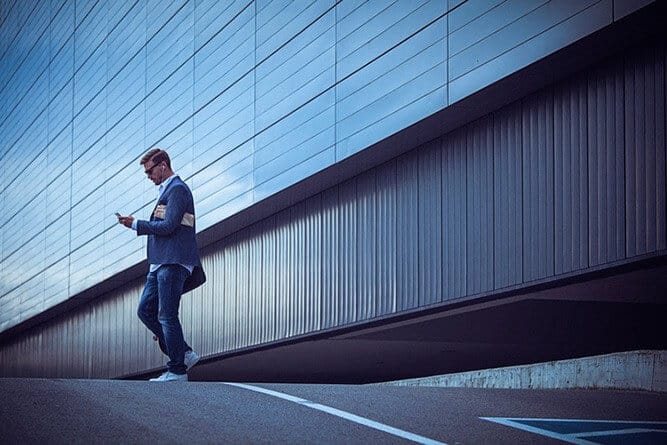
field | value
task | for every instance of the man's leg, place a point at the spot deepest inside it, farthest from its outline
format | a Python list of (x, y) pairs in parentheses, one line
[(147, 309), (170, 279)]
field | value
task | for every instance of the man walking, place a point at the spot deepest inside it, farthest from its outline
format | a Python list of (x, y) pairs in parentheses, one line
[(175, 266)]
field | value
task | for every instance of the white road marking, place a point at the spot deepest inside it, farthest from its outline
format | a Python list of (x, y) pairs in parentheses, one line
[(342, 414), (578, 438), (531, 429), (617, 432)]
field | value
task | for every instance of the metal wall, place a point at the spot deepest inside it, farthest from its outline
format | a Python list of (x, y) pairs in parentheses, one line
[(567, 179), (249, 97)]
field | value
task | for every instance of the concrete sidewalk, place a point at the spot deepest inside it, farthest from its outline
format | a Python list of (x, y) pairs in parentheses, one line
[(634, 370)]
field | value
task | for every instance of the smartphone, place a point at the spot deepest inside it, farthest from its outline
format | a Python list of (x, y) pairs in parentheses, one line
[(117, 214)]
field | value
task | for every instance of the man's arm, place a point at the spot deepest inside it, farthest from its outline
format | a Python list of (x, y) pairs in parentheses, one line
[(176, 206)]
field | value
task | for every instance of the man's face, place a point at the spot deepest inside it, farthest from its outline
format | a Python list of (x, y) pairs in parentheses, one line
[(154, 171)]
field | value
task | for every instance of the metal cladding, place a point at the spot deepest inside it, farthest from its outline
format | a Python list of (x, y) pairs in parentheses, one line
[(250, 99)]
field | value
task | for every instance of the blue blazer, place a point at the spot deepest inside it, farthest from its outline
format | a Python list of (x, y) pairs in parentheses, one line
[(169, 241)]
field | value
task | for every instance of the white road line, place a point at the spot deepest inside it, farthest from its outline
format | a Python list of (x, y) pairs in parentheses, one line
[(342, 414), (618, 432), (540, 431)]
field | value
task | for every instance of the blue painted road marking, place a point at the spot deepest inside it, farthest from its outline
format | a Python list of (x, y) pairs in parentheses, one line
[(586, 432)]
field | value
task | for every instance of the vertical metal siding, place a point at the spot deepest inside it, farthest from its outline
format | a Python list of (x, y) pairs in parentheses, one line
[(256, 311), (137, 331), (367, 259), (570, 176), (407, 225), (507, 189), (538, 200), (283, 284), (313, 269), (190, 316), (347, 251), (479, 206), (645, 151), (242, 315), (230, 285), (606, 166), (267, 294), (217, 280), (430, 224), (199, 331), (454, 188), (386, 245), (331, 284)]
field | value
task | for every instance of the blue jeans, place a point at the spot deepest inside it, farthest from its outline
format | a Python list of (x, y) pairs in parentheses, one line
[(158, 310)]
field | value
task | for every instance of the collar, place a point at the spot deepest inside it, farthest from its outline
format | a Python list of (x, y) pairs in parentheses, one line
[(165, 183)]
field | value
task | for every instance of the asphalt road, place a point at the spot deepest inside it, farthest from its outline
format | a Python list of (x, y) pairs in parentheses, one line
[(103, 411)]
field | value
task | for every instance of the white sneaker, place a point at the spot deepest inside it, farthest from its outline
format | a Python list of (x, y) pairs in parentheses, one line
[(171, 377), (191, 359)]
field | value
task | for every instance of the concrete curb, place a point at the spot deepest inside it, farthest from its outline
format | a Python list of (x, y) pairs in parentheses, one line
[(634, 370)]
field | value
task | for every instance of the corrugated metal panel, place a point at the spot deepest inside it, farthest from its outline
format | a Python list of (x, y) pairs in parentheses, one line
[(283, 293), (202, 302), (367, 245), (312, 245), (137, 331), (117, 335), (386, 231), (479, 208), (229, 263), (256, 311), (85, 345), (330, 258), (267, 294), (296, 314), (190, 315), (606, 174), (347, 252), (217, 269), (507, 189), (407, 225), (243, 274), (454, 186), (430, 223), (538, 194), (570, 176), (645, 151)]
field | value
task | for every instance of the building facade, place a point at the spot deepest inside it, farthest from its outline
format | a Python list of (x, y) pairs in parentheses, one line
[(350, 161)]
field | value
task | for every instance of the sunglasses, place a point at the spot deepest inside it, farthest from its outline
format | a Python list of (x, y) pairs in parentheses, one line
[(149, 171)]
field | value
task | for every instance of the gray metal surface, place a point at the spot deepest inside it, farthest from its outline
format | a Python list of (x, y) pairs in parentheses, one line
[(568, 178), (248, 97), (498, 203)]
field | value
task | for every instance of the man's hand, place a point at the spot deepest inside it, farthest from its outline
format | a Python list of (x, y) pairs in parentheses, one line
[(126, 221)]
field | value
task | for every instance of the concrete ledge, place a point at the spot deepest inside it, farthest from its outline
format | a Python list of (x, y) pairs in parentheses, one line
[(634, 370)]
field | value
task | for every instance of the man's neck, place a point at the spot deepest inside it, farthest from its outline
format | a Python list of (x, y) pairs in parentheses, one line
[(167, 175)]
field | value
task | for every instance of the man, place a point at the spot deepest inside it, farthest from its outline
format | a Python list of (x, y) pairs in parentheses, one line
[(174, 261)]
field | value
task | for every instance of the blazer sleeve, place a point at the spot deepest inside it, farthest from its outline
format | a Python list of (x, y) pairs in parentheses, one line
[(176, 205)]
